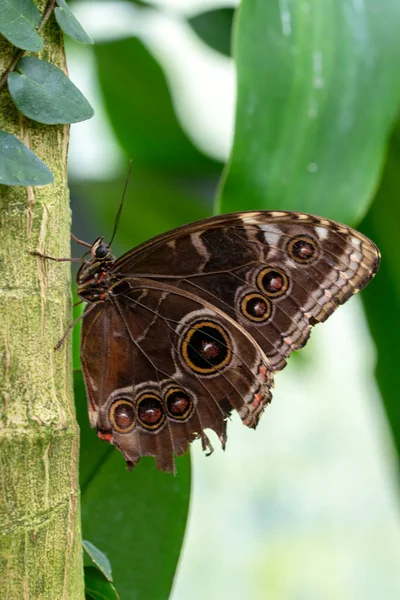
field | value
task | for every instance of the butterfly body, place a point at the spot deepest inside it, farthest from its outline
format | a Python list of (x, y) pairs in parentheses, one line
[(193, 324)]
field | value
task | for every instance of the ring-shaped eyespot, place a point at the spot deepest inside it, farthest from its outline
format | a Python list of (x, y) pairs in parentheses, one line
[(150, 411), (122, 415), (302, 249), (272, 282), (206, 347), (255, 307), (179, 404)]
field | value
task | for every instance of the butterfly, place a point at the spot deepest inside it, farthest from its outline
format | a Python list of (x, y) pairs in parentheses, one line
[(193, 324)]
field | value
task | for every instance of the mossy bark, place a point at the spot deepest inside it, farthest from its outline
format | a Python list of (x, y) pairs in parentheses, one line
[(40, 537)]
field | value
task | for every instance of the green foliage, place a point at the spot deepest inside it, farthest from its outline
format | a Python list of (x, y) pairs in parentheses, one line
[(18, 22), (97, 587), (70, 24), (312, 136), (19, 165), (317, 98), (318, 91), (141, 112), (382, 299), (214, 27), (44, 93), (40, 90), (153, 205), (137, 517), (98, 558)]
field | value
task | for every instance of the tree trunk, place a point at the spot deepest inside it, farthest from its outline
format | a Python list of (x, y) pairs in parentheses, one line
[(40, 537)]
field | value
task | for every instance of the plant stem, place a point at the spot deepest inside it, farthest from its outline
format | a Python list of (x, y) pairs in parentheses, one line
[(46, 15)]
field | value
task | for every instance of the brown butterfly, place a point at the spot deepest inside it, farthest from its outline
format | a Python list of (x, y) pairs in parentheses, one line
[(194, 323)]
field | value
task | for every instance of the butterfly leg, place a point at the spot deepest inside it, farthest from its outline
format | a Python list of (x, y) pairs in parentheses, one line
[(77, 240), (81, 242), (45, 256), (72, 325)]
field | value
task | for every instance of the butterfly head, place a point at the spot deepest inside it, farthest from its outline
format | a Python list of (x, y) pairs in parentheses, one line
[(93, 277), (100, 250)]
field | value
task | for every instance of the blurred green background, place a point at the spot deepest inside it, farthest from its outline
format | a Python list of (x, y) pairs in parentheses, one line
[(302, 118)]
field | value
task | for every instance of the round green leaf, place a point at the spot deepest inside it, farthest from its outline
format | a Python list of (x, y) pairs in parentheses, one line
[(70, 24), (18, 22), (19, 165), (318, 91), (44, 93), (99, 558)]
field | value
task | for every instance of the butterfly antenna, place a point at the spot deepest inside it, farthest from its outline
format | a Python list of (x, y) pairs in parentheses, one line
[(117, 218)]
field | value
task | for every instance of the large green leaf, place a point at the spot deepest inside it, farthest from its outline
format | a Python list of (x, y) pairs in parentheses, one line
[(318, 90), (18, 22), (141, 113), (382, 299), (214, 27), (137, 518), (19, 165), (43, 92)]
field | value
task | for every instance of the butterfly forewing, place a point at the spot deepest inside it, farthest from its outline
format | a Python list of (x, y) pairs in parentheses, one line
[(276, 273)]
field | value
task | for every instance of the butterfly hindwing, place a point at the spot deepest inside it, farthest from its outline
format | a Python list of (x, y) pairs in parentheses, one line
[(162, 365)]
